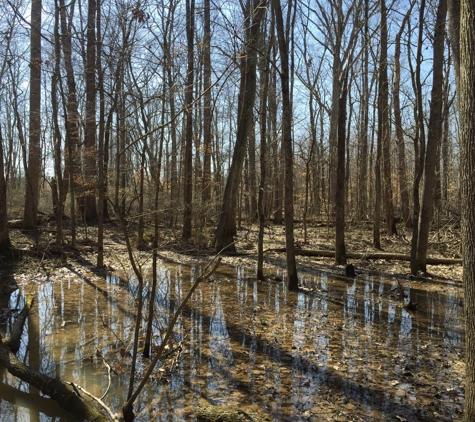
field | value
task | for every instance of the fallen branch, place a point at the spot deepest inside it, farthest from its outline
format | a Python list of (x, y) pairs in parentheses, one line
[(374, 255), (52, 387), (13, 342)]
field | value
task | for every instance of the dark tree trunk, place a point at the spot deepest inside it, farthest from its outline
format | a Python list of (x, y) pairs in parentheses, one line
[(292, 276), (5, 244), (90, 153), (340, 250), (34, 145), (188, 147), (224, 237), (467, 181), (433, 137)]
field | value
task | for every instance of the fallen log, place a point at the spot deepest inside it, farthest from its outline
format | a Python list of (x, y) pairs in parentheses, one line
[(210, 413), (373, 255), (52, 387)]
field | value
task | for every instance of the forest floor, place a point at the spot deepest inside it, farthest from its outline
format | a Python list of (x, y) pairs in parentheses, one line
[(419, 399)]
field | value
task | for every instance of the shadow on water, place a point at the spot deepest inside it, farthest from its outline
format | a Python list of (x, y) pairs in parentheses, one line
[(339, 349)]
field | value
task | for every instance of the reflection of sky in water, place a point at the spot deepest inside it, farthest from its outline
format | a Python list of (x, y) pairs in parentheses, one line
[(287, 348)]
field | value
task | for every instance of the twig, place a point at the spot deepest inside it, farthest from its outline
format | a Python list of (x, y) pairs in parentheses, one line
[(77, 387)]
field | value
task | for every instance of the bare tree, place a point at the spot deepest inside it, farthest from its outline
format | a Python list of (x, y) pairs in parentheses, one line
[(188, 154), (34, 144), (434, 137), (224, 236)]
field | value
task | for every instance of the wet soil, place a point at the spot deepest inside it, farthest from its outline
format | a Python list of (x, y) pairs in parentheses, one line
[(381, 346)]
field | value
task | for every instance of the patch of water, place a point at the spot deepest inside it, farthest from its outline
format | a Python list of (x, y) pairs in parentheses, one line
[(341, 349)]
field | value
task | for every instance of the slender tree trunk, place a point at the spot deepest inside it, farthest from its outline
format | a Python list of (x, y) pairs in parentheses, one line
[(188, 147), (385, 130), (467, 181), (419, 140), (264, 89), (340, 250), (433, 137), (72, 119), (5, 244), (402, 178), (101, 180), (224, 237), (34, 144), (453, 8), (55, 80), (292, 276), (207, 111), (90, 153)]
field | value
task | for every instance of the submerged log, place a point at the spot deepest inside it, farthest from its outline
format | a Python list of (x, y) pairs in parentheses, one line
[(209, 413), (52, 387), (374, 255)]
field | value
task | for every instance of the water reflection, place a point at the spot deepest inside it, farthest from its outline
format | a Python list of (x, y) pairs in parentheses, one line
[(341, 347)]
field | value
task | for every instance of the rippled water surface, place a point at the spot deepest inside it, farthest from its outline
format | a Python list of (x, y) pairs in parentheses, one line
[(340, 349)]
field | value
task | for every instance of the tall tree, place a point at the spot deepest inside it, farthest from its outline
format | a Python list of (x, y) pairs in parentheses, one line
[(5, 243), (283, 41), (207, 111), (467, 182), (188, 155), (224, 236), (383, 122), (434, 136), (419, 138), (402, 178), (34, 144), (90, 168)]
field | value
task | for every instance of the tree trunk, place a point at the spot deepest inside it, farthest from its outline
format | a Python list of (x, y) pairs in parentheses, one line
[(5, 244), (188, 147), (467, 181), (90, 153), (384, 116), (292, 276), (433, 137), (57, 138), (340, 251), (264, 89), (101, 180), (207, 111), (419, 140), (33, 170), (224, 236), (402, 178)]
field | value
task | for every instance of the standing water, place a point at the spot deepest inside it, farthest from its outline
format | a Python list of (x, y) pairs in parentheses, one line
[(340, 349)]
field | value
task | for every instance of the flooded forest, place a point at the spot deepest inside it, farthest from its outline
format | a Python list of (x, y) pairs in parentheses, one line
[(255, 210)]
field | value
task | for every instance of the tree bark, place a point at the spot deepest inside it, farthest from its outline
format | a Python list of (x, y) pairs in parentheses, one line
[(467, 181), (34, 145), (90, 153)]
